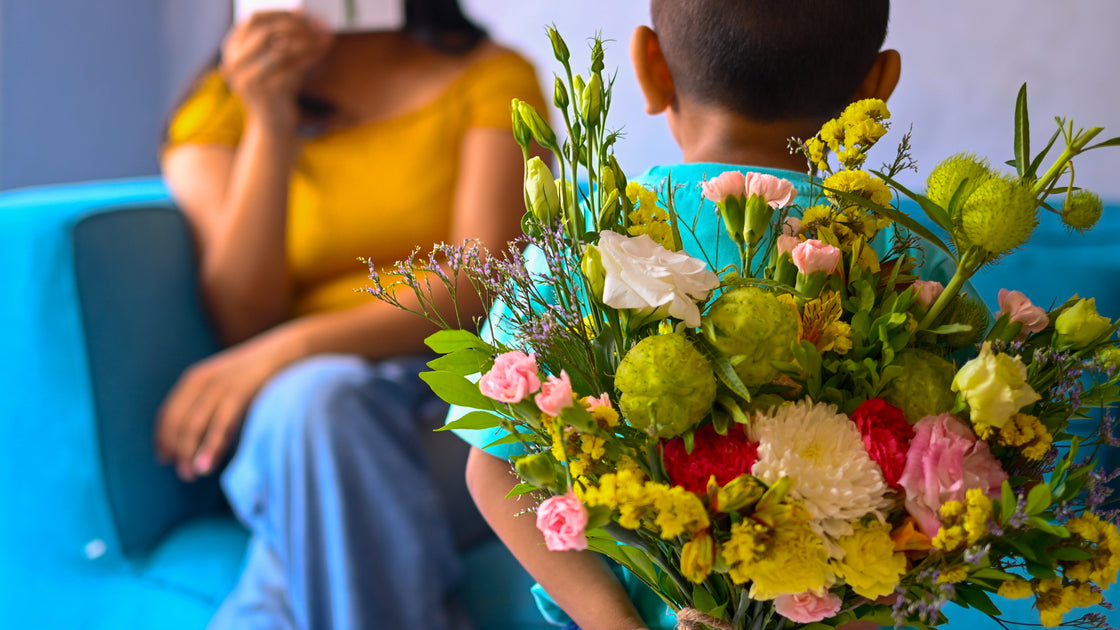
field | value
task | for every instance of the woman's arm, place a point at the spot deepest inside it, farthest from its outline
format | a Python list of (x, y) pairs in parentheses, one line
[(236, 198), (579, 581)]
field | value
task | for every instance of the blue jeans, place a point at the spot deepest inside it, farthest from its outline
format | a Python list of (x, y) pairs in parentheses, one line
[(347, 528)]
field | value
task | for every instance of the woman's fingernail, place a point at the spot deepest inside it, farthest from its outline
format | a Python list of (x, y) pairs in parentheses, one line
[(203, 464)]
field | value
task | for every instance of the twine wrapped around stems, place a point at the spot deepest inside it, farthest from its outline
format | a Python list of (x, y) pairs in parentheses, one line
[(692, 619)]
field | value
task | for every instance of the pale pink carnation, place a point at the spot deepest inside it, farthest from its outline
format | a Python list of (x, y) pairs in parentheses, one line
[(787, 243), (807, 607), (562, 520), (556, 393), (792, 226), (1019, 309), (602, 401), (945, 460), (726, 185), (513, 377), (777, 192), (813, 255), (927, 292)]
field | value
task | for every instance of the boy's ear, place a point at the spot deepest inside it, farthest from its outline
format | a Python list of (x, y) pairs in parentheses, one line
[(882, 78), (651, 70)]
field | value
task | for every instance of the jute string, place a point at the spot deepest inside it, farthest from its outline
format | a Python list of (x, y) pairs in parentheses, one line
[(692, 619)]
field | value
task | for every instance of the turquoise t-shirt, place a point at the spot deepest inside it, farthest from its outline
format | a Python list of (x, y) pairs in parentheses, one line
[(702, 234)]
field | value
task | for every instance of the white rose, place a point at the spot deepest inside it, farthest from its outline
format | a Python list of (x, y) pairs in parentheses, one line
[(640, 275)]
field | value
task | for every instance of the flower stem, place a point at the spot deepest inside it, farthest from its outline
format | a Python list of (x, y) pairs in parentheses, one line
[(966, 267), (1058, 167)]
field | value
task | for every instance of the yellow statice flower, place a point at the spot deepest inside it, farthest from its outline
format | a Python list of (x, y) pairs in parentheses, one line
[(867, 109), (556, 430), (648, 217), (953, 575), (819, 216), (1053, 599), (815, 151), (870, 564), (1101, 539), (860, 183), (852, 157), (821, 324), (832, 134), (978, 511), (1014, 589), (698, 557), (949, 537), (678, 510), (1027, 432), (864, 133), (746, 545)]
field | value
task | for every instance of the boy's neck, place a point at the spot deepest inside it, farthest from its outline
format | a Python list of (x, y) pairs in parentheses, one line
[(712, 134)]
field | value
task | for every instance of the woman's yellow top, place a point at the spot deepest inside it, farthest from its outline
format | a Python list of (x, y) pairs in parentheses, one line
[(376, 190)]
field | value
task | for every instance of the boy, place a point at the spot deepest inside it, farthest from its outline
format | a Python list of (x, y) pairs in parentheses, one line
[(735, 80)]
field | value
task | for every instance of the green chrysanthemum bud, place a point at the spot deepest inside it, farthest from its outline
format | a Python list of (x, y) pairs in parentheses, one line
[(999, 216), (962, 168), (752, 327), (971, 312), (666, 385), (923, 387), (1081, 210)]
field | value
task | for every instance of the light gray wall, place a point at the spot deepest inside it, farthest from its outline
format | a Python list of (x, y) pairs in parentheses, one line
[(963, 63), (85, 84)]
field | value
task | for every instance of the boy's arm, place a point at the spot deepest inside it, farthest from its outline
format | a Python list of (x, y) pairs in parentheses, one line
[(579, 581)]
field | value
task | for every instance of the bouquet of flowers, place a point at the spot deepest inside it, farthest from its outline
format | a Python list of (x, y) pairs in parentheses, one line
[(811, 432)]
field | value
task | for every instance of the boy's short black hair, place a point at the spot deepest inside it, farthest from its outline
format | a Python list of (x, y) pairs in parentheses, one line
[(771, 60)]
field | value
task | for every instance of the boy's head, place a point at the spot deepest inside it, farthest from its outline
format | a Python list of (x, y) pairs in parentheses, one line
[(765, 61)]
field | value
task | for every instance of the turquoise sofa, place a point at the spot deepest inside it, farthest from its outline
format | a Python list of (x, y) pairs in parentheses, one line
[(98, 315)]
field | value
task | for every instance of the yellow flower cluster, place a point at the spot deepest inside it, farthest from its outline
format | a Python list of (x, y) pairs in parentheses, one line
[(850, 136), (785, 557), (648, 217), (870, 564), (1028, 433), (821, 322), (848, 221), (1054, 599), (675, 511), (584, 450), (964, 523), (953, 575), (1014, 589), (1101, 539)]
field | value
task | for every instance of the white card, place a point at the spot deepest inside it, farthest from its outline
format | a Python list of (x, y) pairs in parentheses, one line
[(360, 15)]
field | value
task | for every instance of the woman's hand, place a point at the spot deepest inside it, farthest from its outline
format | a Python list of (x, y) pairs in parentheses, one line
[(203, 413), (265, 59)]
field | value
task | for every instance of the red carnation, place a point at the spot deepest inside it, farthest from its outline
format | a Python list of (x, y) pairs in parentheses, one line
[(725, 456), (886, 436)]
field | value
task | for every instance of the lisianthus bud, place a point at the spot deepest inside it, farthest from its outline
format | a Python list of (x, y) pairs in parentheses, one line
[(995, 387), (666, 385), (922, 388), (752, 327), (536, 124), (521, 132), (592, 268), (559, 48), (544, 199), (946, 177), (560, 94), (1081, 210), (999, 216), (591, 101), (537, 469), (1080, 325)]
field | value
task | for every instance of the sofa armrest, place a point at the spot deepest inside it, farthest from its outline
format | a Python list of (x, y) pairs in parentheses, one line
[(99, 315)]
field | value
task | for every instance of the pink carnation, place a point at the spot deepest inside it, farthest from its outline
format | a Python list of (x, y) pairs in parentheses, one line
[(777, 192), (604, 400), (807, 607), (556, 393), (945, 460), (813, 255), (787, 243), (562, 519), (1019, 309), (927, 291), (791, 226), (513, 377), (726, 185)]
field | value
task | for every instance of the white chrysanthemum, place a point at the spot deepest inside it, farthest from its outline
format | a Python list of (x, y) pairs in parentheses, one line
[(822, 451)]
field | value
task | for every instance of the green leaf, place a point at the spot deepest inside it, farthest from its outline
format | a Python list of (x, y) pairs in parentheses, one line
[(1008, 501), (1037, 163), (598, 516), (1043, 525), (520, 489), (1040, 571), (1038, 499), (463, 362), (447, 341), (989, 573), (722, 367), (1111, 142), (979, 600), (509, 438), (456, 390), (703, 601), (1070, 554), (1022, 133), (474, 420)]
